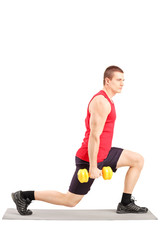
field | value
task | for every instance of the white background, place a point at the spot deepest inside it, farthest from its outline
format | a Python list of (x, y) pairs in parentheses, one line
[(52, 58)]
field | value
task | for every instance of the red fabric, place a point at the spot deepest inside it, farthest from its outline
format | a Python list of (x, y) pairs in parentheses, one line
[(105, 137)]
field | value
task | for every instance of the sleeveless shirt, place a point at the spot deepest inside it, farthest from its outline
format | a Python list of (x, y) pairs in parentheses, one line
[(105, 137)]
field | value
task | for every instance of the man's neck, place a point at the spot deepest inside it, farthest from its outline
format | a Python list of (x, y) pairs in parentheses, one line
[(109, 92)]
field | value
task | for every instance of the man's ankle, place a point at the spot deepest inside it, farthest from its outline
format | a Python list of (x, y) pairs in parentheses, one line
[(126, 198)]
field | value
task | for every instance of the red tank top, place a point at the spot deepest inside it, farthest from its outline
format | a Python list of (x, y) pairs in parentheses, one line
[(105, 137)]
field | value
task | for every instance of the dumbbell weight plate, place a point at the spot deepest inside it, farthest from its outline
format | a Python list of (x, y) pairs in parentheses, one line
[(83, 175), (107, 173)]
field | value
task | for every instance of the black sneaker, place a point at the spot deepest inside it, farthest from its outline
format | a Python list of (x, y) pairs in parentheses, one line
[(21, 203), (131, 208)]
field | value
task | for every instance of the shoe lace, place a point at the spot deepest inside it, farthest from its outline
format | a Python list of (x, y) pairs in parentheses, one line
[(134, 206), (133, 199)]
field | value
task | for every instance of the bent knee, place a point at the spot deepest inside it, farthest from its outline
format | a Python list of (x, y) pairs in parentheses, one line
[(72, 204), (139, 161), (72, 201)]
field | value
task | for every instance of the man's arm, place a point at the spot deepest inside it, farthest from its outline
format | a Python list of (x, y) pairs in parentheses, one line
[(99, 109)]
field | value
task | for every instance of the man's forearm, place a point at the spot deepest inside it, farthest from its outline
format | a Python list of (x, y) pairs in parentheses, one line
[(93, 148)]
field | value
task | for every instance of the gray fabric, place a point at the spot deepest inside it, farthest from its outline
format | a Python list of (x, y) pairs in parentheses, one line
[(99, 214)]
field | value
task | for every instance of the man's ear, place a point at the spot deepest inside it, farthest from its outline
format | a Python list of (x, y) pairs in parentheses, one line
[(107, 80)]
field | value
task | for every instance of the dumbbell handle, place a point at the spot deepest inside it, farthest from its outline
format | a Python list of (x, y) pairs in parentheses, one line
[(83, 175)]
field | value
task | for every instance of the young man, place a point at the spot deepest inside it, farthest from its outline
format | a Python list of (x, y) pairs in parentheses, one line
[(95, 152)]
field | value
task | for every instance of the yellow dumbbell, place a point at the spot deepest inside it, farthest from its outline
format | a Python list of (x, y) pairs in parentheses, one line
[(83, 175)]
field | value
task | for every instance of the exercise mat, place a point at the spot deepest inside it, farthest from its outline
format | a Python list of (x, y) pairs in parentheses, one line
[(88, 214)]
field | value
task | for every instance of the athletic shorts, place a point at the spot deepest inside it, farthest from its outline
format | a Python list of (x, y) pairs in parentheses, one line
[(83, 188)]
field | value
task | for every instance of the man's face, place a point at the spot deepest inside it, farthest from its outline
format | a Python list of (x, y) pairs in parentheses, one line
[(117, 82)]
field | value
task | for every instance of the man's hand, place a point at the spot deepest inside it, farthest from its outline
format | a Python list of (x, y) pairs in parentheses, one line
[(94, 172)]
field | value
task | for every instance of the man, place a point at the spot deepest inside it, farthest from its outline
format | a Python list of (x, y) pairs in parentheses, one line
[(95, 152)]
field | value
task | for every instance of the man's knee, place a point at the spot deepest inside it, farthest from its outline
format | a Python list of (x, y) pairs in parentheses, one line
[(132, 159), (72, 204), (73, 199), (139, 161)]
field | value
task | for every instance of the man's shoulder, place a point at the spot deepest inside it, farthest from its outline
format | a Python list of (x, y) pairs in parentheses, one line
[(100, 99), (100, 103)]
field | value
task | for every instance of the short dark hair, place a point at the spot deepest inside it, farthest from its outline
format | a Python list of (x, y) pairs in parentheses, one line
[(110, 71)]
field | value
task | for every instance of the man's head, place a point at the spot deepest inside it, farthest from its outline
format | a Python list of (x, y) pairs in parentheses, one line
[(113, 79)]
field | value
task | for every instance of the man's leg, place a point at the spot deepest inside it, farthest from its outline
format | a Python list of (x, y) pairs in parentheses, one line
[(23, 199), (69, 199), (76, 192), (135, 162)]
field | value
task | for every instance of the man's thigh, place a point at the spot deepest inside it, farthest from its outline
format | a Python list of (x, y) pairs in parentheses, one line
[(129, 158), (80, 188)]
